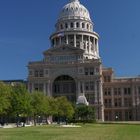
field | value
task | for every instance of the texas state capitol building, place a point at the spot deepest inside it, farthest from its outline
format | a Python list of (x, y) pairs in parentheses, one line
[(72, 67)]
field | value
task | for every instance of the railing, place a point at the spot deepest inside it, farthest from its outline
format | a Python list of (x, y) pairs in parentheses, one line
[(61, 62)]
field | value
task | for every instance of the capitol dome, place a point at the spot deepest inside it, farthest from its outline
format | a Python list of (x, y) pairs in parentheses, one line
[(74, 10)]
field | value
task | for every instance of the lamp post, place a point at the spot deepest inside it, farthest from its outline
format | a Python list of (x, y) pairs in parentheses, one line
[(116, 117)]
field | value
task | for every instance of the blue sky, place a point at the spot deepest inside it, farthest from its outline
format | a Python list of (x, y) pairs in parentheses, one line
[(25, 27)]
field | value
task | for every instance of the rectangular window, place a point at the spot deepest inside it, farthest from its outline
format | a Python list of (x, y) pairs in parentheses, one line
[(41, 73), (107, 91), (128, 115), (139, 90), (127, 102), (47, 72), (36, 73), (80, 70), (87, 86), (108, 102), (117, 91), (91, 71), (90, 98), (91, 85), (127, 91), (30, 72), (118, 102), (38, 87), (107, 78), (86, 71)]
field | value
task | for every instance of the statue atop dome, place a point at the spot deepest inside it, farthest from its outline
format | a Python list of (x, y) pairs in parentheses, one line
[(74, 0)]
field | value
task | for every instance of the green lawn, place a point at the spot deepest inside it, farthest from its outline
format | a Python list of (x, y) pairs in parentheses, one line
[(86, 132)]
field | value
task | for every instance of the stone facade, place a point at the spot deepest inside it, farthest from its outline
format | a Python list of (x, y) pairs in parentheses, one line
[(121, 97), (72, 67)]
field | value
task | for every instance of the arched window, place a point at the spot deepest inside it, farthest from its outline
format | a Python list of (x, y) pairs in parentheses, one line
[(91, 27), (87, 26), (83, 25), (77, 24), (66, 25), (61, 26), (71, 25)]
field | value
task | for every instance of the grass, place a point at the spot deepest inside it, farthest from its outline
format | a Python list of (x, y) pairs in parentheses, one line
[(86, 132)]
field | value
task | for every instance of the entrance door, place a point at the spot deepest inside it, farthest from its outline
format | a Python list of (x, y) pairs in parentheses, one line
[(65, 86)]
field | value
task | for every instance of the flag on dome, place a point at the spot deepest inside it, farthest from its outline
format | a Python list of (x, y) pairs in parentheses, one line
[(60, 34)]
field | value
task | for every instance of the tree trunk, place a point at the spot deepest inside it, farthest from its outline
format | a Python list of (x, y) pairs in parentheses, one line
[(34, 120)]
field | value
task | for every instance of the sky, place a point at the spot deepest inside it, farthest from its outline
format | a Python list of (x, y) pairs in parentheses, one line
[(25, 27)]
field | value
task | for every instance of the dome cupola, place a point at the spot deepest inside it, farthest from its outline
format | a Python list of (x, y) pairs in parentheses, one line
[(74, 10), (75, 28)]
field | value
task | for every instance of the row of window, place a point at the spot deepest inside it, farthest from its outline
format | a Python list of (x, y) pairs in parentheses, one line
[(107, 78), (118, 102), (91, 71), (118, 115), (89, 86), (41, 73), (75, 25), (38, 73), (117, 91)]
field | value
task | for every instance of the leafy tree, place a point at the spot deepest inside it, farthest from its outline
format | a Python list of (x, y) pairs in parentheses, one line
[(52, 106), (65, 108), (20, 102), (39, 105), (5, 91), (84, 113)]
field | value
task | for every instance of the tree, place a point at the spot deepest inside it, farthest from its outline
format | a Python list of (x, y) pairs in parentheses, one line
[(84, 113), (39, 105), (65, 108), (5, 91), (52, 106), (20, 102)]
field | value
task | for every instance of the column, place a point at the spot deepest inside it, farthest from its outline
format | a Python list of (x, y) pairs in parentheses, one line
[(112, 97), (44, 88), (89, 46), (137, 104), (60, 40), (83, 87), (49, 88), (30, 88), (33, 89), (94, 46), (67, 41), (82, 42), (79, 92), (95, 87), (122, 95), (97, 48), (74, 40), (54, 41), (101, 106), (133, 96)]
